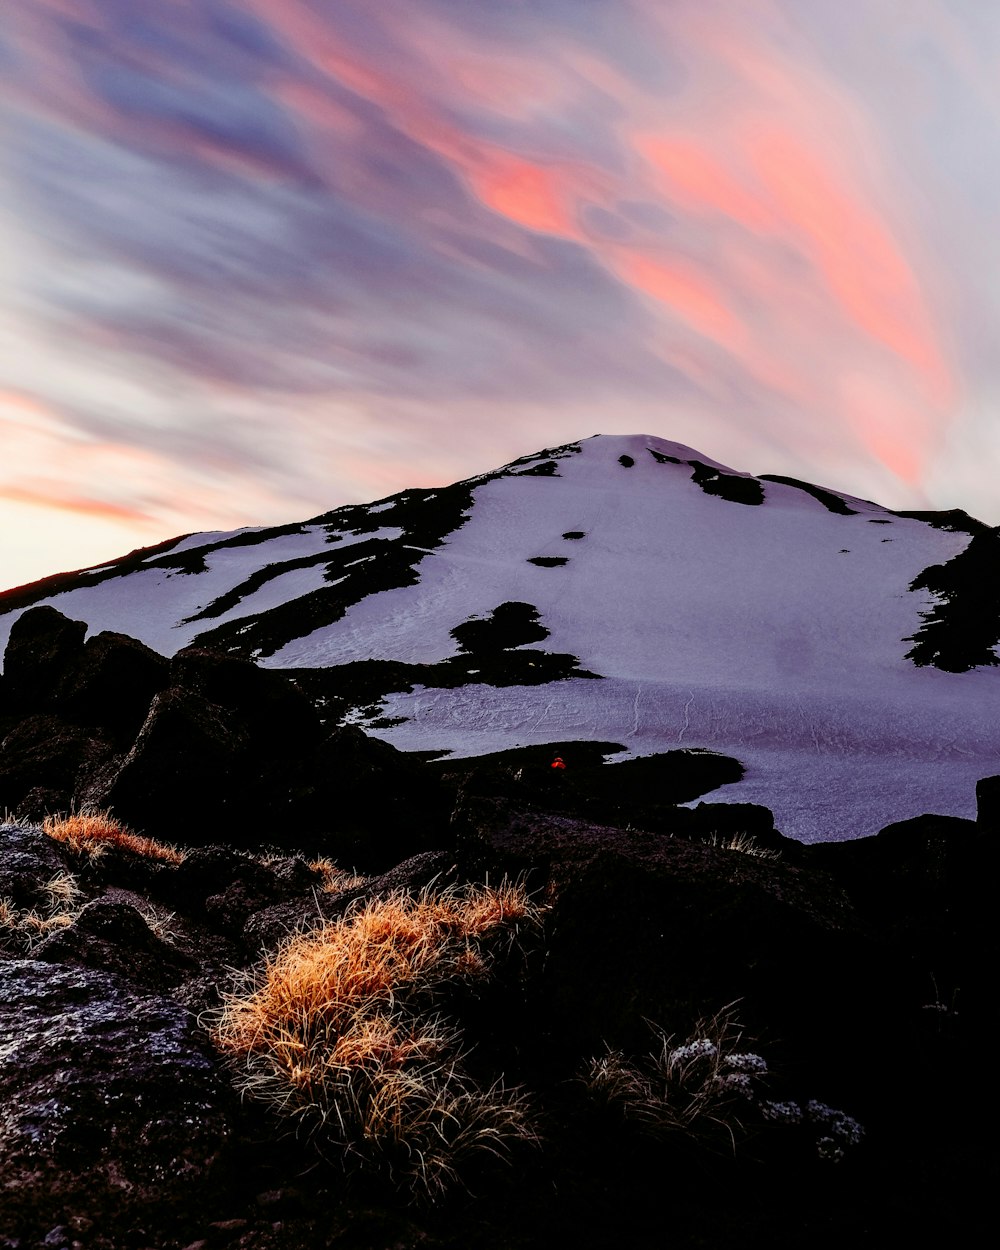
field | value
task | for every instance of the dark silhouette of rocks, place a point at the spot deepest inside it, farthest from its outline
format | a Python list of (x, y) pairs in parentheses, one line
[(43, 648), (198, 749)]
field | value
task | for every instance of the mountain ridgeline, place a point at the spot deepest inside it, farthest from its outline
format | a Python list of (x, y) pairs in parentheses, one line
[(622, 587)]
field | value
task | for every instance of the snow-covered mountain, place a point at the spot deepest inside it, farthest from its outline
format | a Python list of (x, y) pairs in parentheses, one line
[(625, 589)]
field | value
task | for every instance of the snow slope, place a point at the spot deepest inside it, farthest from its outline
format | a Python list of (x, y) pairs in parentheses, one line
[(759, 618)]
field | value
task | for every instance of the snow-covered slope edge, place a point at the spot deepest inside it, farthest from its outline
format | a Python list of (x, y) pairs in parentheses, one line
[(761, 617)]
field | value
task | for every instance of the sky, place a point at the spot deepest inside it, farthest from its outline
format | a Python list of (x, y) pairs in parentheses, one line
[(264, 257)]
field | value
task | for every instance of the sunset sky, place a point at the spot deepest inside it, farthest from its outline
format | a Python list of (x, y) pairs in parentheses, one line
[(264, 257)]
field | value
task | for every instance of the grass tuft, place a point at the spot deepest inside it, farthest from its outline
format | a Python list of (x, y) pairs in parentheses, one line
[(695, 1088), (745, 843), (337, 1032), (26, 927), (334, 880), (92, 833)]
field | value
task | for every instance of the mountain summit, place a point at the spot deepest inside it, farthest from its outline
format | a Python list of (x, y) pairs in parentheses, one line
[(625, 589)]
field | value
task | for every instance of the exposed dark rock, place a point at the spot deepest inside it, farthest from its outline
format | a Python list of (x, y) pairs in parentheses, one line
[(548, 562), (642, 792), (44, 646), (277, 717), (954, 520), (731, 486), (114, 937), (366, 803), (207, 871), (830, 501), (112, 1109), (929, 884), (962, 630), (988, 803), (647, 926), (28, 859), (508, 625), (113, 683), (183, 772), (626, 462), (354, 571), (45, 762)]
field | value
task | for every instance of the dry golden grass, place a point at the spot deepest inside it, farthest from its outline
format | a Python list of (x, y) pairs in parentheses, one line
[(334, 880), (335, 1031), (27, 927), (92, 833)]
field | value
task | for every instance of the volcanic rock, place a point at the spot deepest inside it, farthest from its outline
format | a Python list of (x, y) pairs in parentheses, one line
[(112, 1108)]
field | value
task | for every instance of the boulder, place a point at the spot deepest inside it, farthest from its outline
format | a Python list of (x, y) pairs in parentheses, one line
[(114, 937), (184, 773), (28, 859), (277, 717), (362, 801), (46, 763), (928, 884), (43, 647), (222, 888), (113, 683), (113, 1111)]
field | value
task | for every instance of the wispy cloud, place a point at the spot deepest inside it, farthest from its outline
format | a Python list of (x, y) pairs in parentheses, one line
[(278, 253)]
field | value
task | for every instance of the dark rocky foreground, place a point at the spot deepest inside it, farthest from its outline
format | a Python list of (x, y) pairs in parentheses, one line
[(862, 972)]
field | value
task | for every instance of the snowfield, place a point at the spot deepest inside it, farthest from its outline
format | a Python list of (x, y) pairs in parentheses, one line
[(772, 632)]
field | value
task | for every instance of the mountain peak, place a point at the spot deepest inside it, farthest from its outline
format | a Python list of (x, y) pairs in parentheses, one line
[(623, 588)]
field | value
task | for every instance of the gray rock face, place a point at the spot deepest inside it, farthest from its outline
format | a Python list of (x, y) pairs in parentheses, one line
[(110, 1107), (28, 859), (112, 936)]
